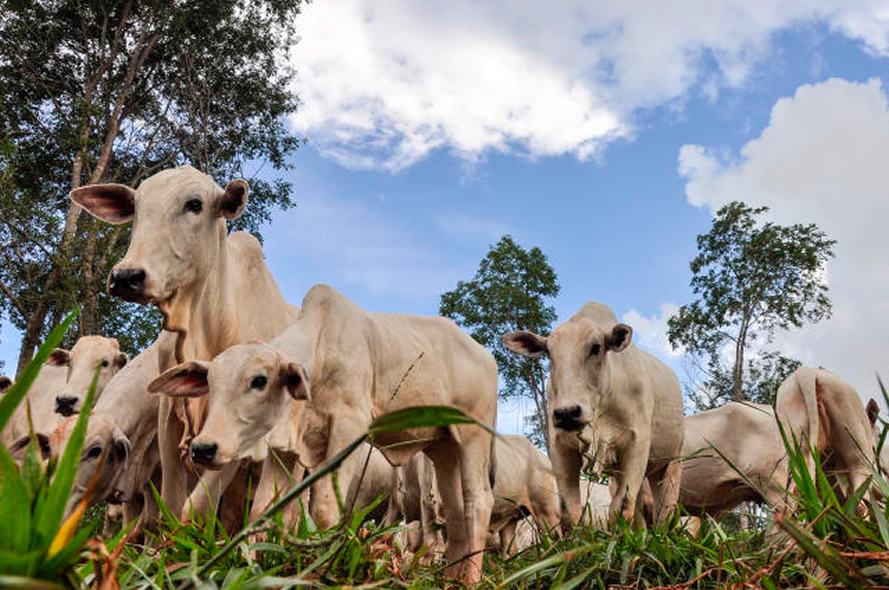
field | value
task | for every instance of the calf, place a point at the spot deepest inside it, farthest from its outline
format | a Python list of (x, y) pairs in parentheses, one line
[(361, 365), (125, 418), (612, 403), (62, 384)]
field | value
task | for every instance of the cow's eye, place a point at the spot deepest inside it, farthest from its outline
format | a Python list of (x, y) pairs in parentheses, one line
[(594, 349), (94, 452), (104, 362), (193, 206), (258, 382)]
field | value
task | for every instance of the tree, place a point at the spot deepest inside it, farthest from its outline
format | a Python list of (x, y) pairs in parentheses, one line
[(509, 292), (752, 279), (113, 91)]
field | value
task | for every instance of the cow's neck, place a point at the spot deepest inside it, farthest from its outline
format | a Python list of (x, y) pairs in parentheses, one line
[(216, 313)]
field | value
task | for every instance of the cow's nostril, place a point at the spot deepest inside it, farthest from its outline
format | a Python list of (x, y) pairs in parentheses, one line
[(568, 418), (65, 405), (126, 282), (203, 453)]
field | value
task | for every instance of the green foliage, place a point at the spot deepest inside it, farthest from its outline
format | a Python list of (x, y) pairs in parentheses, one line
[(511, 291), (114, 92), (751, 279), (34, 543)]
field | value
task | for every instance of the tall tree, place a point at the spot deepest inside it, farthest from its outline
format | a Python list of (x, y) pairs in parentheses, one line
[(510, 292), (751, 278), (113, 91)]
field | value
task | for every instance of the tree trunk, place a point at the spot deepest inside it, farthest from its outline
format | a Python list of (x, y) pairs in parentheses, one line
[(89, 316), (738, 369)]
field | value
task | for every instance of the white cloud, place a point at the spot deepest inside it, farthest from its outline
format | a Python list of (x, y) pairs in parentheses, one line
[(650, 332), (821, 159), (383, 84)]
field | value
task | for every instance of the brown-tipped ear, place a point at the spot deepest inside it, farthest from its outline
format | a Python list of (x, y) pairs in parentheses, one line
[(5, 383), (620, 337), (59, 358), (112, 203), (233, 200), (526, 344), (121, 359), (295, 380), (873, 411), (186, 380)]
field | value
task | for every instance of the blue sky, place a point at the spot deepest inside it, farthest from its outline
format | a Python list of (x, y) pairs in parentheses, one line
[(601, 132)]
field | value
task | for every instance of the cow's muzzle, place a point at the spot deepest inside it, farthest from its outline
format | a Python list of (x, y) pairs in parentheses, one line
[(66, 405), (568, 418), (204, 454), (127, 284)]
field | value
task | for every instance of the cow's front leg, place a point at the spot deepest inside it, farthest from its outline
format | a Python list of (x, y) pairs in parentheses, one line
[(204, 499), (174, 482), (478, 498), (324, 506), (566, 466), (275, 480), (629, 477)]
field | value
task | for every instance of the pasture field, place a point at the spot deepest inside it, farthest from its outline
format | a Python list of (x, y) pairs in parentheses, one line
[(825, 543)]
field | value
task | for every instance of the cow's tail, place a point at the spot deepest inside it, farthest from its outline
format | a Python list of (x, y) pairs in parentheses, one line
[(806, 380)]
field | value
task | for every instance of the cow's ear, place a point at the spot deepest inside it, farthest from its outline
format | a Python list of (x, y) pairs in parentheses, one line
[(120, 448), (186, 380), (526, 344), (620, 337), (121, 359), (233, 200), (295, 380), (5, 383), (112, 203), (873, 411), (17, 448), (59, 358)]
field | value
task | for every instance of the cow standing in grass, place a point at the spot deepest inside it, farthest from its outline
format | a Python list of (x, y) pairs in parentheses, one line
[(213, 289), (612, 404), (347, 366)]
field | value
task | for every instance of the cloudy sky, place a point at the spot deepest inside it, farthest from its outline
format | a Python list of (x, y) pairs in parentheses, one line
[(605, 132)]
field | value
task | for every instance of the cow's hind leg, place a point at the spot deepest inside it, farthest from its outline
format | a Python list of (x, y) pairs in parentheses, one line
[(665, 488), (450, 487)]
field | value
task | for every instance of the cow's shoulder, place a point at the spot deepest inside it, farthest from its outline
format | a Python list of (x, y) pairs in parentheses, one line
[(247, 247)]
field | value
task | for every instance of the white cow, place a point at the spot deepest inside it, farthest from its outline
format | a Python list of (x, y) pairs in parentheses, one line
[(523, 485), (213, 289), (718, 443), (125, 418), (359, 364), (66, 375), (612, 403), (88, 353), (824, 410)]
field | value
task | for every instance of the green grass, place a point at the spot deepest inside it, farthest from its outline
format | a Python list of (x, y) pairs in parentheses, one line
[(825, 543)]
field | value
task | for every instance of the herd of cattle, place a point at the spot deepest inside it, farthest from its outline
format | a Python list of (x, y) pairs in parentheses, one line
[(240, 383)]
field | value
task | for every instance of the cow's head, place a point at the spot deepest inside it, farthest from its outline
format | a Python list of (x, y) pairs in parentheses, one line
[(249, 386), (179, 218), (103, 437), (580, 366), (89, 353)]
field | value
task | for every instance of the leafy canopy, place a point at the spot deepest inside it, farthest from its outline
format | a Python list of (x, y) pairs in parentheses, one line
[(510, 291), (751, 279)]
